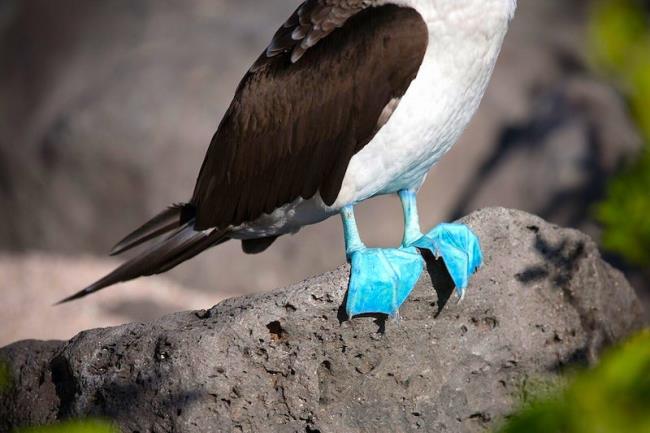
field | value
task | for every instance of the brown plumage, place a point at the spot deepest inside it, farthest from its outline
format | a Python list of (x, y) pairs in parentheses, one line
[(311, 22), (331, 77), (293, 127)]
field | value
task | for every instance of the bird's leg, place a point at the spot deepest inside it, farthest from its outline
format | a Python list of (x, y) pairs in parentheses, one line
[(380, 278), (351, 232), (458, 246), (411, 220)]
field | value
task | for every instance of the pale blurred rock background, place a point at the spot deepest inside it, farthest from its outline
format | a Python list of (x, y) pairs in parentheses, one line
[(30, 280), (107, 108)]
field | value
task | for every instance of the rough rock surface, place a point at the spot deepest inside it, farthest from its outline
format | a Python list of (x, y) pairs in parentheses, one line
[(288, 361)]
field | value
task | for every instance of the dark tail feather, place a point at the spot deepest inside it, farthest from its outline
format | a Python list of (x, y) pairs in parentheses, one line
[(166, 221), (181, 245)]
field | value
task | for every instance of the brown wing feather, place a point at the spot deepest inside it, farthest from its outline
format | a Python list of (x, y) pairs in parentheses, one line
[(292, 128), (311, 22)]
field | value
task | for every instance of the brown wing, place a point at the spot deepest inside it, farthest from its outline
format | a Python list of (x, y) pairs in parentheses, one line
[(292, 128)]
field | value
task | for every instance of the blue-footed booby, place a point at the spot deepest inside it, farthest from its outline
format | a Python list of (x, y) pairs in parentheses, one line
[(351, 99)]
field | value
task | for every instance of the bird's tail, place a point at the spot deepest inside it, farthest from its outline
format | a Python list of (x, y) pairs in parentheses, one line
[(183, 243), (170, 219)]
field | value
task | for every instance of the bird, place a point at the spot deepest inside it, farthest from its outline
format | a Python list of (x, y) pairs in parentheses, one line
[(352, 99)]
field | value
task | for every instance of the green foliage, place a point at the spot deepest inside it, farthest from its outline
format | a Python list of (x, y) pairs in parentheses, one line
[(618, 27), (620, 44), (90, 426), (626, 213), (612, 398)]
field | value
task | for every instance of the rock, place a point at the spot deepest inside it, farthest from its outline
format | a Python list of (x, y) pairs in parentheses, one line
[(288, 361), (35, 395)]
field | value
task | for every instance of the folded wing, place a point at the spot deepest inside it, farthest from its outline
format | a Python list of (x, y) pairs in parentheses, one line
[(313, 99)]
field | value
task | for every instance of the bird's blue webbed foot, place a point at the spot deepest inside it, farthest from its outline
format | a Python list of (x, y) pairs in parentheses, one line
[(456, 244), (459, 249), (381, 279)]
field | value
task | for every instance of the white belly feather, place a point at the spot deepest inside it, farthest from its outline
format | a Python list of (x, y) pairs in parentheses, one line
[(428, 121)]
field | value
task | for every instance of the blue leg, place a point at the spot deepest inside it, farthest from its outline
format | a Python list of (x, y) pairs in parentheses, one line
[(411, 220), (455, 243), (380, 279), (353, 241)]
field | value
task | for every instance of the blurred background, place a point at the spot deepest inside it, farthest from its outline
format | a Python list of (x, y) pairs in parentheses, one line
[(107, 108)]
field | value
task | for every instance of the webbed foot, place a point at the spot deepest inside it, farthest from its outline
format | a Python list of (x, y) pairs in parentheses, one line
[(459, 248), (381, 279)]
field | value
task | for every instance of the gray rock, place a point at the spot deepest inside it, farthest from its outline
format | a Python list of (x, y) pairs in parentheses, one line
[(288, 361), (34, 395)]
